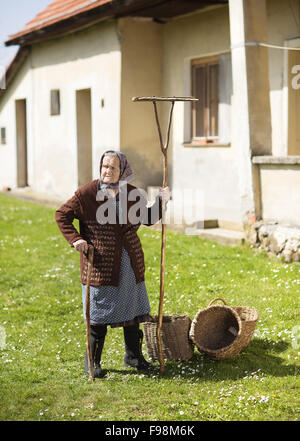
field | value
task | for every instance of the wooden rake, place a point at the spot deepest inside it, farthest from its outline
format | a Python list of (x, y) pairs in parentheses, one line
[(164, 149)]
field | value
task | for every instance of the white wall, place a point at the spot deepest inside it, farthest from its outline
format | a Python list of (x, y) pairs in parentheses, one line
[(19, 89), (86, 59), (212, 169), (280, 192)]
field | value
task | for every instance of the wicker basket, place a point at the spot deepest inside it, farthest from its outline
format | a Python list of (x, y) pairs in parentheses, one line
[(249, 318), (176, 344), (217, 331)]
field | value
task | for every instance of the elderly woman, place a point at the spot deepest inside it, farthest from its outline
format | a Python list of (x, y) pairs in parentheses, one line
[(118, 295)]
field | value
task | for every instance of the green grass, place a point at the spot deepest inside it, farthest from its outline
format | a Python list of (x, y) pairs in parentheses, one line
[(42, 374)]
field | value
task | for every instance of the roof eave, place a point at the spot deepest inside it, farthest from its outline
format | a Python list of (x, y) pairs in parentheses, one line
[(114, 9), (100, 13)]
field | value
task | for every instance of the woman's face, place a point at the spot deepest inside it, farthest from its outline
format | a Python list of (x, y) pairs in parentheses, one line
[(110, 170)]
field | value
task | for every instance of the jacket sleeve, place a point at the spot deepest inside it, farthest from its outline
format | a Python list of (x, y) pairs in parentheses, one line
[(65, 216)]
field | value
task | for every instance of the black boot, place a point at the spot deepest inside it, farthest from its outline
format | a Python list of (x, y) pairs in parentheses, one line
[(98, 334), (133, 338)]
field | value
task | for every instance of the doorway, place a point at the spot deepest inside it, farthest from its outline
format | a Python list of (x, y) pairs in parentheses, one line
[(21, 141), (84, 136)]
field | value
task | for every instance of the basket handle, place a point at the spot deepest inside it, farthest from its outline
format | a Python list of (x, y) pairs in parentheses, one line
[(214, 300)]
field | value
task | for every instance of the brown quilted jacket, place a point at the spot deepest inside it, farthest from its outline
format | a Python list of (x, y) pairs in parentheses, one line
[(107, 239)]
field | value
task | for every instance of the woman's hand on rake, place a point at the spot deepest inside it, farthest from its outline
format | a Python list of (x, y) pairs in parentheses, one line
[(165, 193)]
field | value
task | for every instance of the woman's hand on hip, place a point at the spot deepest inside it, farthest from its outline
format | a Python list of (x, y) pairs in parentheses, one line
[(81, 245)]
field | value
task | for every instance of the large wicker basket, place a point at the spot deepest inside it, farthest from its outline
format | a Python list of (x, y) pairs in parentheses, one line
[(176, 344), (249, 319), (217, 331), (221, 331)]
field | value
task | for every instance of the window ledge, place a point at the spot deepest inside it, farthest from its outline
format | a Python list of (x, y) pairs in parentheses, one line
[(205, 145), (276, 159)]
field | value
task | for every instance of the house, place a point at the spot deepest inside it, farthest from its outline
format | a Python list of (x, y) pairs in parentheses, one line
[(69, 92)]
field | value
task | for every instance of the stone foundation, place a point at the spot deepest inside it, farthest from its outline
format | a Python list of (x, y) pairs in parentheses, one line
[(276, 238)]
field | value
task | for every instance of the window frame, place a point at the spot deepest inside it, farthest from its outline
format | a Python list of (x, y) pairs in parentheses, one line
[(208, 139)]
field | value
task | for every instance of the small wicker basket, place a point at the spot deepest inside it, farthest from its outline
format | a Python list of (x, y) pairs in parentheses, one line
[(176, 344)]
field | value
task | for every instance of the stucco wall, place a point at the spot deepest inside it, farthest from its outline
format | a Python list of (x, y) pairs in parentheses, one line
[(211, 169), (89, 59), (280, 184), (19, 89), (85, 60), (119, 60), (141, 75), (283, 24)]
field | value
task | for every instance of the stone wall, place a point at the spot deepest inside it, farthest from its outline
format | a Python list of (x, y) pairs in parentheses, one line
[(276, 238)]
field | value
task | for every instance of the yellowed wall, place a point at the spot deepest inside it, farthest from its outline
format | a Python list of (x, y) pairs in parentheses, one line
[(283, 24), (141, 75)]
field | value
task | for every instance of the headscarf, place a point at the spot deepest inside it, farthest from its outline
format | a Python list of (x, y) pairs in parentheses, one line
[(126, 174)]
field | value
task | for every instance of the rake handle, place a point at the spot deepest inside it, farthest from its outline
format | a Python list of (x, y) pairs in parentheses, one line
[(164, 149)]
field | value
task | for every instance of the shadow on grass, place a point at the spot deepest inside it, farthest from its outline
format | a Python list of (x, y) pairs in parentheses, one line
[(259, 358)]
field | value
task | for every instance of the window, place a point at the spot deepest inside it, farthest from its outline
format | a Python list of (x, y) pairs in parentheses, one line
[(211, 83), (3, 135), (55, 102), (205, 88)]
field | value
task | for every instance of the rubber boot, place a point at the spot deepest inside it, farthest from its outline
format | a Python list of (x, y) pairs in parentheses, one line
[(98, 334), (133, 338)]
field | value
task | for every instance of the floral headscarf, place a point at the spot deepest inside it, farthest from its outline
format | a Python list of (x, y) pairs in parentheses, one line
[(126, 174)]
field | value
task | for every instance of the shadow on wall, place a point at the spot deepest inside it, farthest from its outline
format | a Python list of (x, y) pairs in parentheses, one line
[(148, 172), (79, 45)]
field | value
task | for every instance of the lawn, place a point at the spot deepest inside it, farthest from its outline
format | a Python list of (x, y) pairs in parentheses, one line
[(42, 334)]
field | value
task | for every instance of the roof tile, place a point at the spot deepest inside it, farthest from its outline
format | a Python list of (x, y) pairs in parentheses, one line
[(56, 11)]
